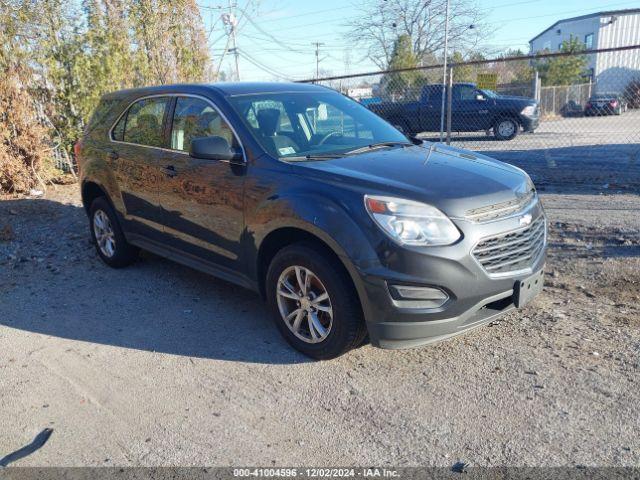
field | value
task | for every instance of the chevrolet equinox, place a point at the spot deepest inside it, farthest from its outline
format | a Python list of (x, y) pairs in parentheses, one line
[(346, 227)]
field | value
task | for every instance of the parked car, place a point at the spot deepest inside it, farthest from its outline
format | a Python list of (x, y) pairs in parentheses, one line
[(472, 109), (343, 225), (605, 104)]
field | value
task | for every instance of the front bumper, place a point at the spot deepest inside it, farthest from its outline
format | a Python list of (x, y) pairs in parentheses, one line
[(475, 297), (529, 124)]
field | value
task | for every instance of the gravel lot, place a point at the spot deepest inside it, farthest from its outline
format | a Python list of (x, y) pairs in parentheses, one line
[(160, 365)]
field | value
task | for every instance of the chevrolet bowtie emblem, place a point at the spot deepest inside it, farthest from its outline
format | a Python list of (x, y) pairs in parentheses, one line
[(525, 220)]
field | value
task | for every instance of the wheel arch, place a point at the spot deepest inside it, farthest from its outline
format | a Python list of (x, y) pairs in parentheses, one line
[(90, 191), (282, 237)]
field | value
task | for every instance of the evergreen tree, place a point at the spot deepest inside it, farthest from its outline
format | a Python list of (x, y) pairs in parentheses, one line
[(465, 73), (398, 83), (567, 70), (517, 71)]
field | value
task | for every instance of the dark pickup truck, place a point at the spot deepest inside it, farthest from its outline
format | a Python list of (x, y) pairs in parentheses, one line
[(472, 110)]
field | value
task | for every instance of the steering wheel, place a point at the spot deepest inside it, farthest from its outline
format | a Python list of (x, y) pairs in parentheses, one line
[(328, 136)]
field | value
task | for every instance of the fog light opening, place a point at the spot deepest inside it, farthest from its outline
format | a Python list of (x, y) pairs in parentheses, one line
[(423, 297)]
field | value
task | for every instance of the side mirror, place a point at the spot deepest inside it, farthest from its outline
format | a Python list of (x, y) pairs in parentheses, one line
[(480, 97), (214, 148)]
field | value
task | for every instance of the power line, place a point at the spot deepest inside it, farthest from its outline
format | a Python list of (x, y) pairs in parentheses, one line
[(497, 22), (264, 32), (264, 67), (532, 56)]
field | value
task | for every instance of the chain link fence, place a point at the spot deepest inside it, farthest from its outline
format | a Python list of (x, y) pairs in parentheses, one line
[(570, 120)]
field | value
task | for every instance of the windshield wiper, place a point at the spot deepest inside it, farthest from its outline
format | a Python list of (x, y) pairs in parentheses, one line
[(378, 145), (313, 156)]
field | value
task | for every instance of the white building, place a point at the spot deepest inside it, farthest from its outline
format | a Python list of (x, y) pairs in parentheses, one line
[(363, 91), (610, 71)]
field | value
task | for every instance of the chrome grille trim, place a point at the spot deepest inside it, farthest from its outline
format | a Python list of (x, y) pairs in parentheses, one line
[(501, 210), (514, 251)]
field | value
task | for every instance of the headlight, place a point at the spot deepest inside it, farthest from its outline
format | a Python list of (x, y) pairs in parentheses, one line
[(528, 111), (411, 223)]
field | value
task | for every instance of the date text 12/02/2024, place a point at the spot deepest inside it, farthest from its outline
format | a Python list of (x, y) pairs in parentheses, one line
[(370, 472)]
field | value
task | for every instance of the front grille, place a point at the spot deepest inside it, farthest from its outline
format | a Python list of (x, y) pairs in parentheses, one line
[(512, 251), (500, 210)]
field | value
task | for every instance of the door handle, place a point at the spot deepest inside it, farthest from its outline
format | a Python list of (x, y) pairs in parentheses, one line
[(113, 155), (170, 171)]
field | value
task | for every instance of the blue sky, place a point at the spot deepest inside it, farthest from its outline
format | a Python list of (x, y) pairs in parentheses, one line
[(280, 32)]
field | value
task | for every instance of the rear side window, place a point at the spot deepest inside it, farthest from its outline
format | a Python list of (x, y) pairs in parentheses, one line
[(432, 93), (142, 124)]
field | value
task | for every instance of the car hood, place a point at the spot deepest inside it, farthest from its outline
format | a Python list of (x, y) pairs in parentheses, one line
[(452, 179), (516, 99)]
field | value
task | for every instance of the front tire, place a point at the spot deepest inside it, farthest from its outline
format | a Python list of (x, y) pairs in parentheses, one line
[(313, 302), (505, 129), (112, 247)]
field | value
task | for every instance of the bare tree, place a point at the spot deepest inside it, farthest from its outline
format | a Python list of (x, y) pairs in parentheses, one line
[(382, 21)]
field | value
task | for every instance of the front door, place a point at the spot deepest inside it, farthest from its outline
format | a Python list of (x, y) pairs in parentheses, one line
[(468, 114), (202, 200)]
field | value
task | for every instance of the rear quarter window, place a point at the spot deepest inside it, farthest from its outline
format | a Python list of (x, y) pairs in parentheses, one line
[(101, 114), (118, 130)]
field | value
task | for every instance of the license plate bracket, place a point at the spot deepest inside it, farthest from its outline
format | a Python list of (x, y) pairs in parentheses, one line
[(525, 290)]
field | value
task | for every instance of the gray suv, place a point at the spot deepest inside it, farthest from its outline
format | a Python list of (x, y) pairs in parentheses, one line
[(347, 228)]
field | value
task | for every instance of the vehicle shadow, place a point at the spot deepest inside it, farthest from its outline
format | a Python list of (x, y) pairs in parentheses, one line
[(53, 283)]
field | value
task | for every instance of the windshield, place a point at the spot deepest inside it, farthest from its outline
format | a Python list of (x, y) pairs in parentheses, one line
[(490, 93), (603, 96), (314, 123)]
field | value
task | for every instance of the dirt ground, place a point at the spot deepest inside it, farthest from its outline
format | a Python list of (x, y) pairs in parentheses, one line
[(158, 364)]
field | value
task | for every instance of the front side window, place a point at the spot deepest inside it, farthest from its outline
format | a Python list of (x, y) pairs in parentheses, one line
[(465, 93), (143, 122), (195, 118), (292, 124)]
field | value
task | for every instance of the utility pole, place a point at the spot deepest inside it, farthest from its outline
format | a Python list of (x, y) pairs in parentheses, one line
[(317, 45), (231, 20), (444, 74)]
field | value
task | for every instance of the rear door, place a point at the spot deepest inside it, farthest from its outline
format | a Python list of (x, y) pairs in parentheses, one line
[(202, 200), (431, 106), (137, 141)]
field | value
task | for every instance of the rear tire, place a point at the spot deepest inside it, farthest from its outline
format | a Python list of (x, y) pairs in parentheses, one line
[(298, 275), (505, 129), (112, 247)]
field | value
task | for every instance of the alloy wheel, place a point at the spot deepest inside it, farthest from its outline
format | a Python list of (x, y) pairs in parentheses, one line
[(506, 128), (304, 304), (105, 236)]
